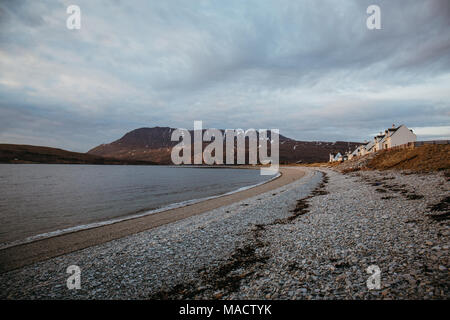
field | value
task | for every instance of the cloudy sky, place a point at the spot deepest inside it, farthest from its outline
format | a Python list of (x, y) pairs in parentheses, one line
[(310, 68)]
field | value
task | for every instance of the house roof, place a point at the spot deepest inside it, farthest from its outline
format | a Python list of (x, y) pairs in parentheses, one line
[(369, 145), (396, 128)]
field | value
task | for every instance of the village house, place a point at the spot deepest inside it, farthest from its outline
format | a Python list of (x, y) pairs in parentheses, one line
[(398, 136), (349, 155), (378, 142), (336, 157), (392, 137), (332, 155)]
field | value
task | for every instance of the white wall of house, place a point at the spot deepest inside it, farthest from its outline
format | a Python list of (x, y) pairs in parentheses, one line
[(378, 142), (365, 148)]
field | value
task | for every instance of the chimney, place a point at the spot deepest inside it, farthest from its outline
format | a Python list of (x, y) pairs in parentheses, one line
[(393, 126)]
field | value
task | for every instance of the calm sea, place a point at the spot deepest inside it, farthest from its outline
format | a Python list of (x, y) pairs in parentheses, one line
[(38, 198)]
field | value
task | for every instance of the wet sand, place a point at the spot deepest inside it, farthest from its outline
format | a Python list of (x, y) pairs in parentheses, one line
[(25, 254)]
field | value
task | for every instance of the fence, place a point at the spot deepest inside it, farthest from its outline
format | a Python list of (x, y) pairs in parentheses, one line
[(412, 145), (421, 143)]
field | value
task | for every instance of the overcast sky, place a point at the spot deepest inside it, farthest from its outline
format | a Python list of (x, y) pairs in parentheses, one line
[(310, 68)]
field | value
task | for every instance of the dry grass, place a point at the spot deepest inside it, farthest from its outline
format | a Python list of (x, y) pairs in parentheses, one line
[(426, 158)]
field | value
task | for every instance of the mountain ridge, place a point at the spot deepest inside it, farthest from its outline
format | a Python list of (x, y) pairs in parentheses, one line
[(154, 144)]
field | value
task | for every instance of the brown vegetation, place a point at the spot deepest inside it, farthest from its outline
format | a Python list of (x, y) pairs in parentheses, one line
[(425, 158)]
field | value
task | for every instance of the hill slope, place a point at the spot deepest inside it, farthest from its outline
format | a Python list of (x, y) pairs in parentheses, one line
[(426, 158), (14, 153)]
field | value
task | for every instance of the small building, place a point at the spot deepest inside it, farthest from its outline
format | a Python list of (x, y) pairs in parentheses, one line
[(378, 142), (356, 152), (397, 136), (332, 155), (349, 155), (370, 147), (362, 149)]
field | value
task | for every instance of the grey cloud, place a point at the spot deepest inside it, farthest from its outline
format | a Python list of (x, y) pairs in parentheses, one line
[(230, 63)]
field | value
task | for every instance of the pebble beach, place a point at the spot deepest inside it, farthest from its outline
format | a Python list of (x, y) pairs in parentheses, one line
[(310, 239)]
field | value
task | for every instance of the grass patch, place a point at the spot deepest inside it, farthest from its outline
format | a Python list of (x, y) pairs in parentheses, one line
[(426, 158)]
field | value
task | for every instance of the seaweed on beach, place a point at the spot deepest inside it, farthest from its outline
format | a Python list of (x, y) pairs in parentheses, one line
[(321, 188), (227, 277), (442, 206), (384, 188), (302, 205), (224, 278), (413, 196)]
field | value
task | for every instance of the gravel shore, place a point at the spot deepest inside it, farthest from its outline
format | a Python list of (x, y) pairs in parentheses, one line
[(311, 239)]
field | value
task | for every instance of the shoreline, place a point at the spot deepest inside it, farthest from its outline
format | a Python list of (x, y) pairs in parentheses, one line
[(81, 227), (20, 255), (310, 239)]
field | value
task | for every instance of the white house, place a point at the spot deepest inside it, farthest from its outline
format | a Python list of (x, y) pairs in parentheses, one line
[(392, 137), (365, 148), (369, 147), (332, 157), (357, 152), (378, 142), (397, 136), (336, 157)]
